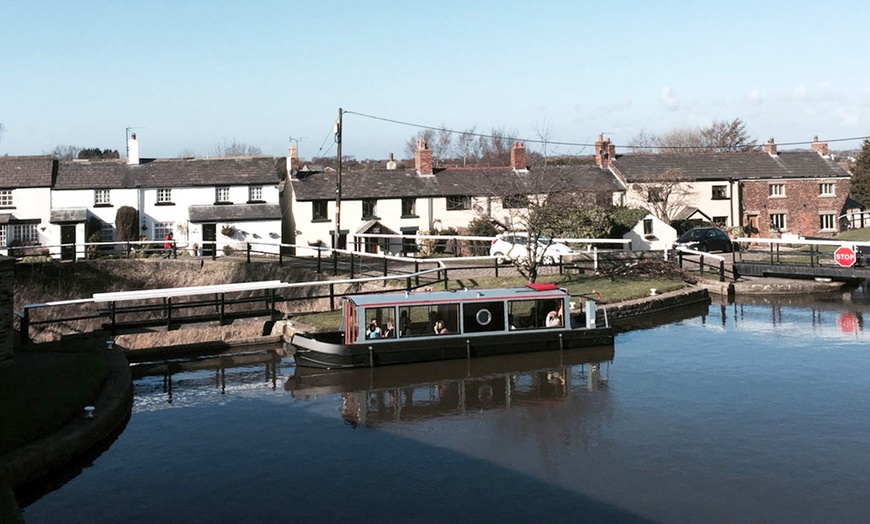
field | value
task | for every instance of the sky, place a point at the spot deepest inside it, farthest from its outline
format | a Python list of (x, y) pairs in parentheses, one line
[(188, 76)]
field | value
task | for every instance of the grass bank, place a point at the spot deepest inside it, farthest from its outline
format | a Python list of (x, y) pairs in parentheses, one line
[(41, 391)]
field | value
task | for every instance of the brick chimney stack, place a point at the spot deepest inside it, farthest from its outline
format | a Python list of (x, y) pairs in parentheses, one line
[(605, 152), (518, 157), (770, 147), (423, 159), (820, 147), (292, 161)]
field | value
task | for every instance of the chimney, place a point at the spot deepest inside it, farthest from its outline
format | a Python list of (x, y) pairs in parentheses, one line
[(605, 152), (820, 147), (391, 163), (770, 147), (292, 161), (132, 150), (423, 159), (518, 157)]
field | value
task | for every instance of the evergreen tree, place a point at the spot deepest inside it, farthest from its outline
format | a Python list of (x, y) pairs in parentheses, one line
[(860, 189)]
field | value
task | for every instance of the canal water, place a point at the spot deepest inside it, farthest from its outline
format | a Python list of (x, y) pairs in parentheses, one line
[(747, 412)]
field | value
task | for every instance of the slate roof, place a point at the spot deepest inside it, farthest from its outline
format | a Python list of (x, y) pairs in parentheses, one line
[(26, 171), (235, 213), (170, 172), (725, 166), (453, 181)]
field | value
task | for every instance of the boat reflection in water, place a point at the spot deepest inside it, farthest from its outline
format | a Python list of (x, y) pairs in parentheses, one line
[(381, 395)]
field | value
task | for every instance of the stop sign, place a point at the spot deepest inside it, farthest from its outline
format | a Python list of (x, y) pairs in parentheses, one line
[(844, 256)]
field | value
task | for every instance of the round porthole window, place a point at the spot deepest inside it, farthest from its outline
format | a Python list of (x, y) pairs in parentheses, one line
[(484, 317)]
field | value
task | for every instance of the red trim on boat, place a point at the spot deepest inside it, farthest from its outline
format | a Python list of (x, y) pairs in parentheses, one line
[(542, 286)]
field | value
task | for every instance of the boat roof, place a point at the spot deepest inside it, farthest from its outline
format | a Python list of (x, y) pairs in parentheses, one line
[(404, 298)]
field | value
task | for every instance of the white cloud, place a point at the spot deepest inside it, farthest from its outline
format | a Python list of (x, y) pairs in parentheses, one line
[(669, 99), (754, 95)]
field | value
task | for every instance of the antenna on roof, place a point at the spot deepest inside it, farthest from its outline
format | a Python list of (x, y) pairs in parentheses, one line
[(127, 138)]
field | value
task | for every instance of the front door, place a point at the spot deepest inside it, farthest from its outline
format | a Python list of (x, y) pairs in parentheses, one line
[(209, 236), (752, 222), (68, 241)]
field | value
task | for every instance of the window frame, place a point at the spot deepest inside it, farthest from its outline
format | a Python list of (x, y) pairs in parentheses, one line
[(409, 207), (222, 198), (6, 199), (320, 217), (255, 194), (776, 191), (164, 196), (827, 216), (160, 229), (458, 203), (775, 222), (102, 197), (827, 185), (719, 192), (369, 205)]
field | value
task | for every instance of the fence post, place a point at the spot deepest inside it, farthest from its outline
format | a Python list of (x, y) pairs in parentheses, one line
[(174, 249), (248, 249), (495, 260), (351, 265), (127, 249), (408, 287), (721, 271), (223, 296), (24, 327), (334, 262), (680, 258), (280, 257), (332, 297), (701, 271), (416, 273), (385, 266), (319, 251), (446, 280)]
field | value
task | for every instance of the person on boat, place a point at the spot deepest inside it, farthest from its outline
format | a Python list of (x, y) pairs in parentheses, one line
[(390, 332), (373, 331), (439, 328), (553, 319), (404, 323)]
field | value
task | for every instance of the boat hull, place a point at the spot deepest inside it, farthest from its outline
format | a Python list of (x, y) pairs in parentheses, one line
[(325, 350)]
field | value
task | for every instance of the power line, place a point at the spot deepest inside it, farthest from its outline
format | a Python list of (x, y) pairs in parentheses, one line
[(573, 144)]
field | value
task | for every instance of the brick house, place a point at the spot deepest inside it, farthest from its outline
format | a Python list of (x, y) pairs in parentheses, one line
[(765, 192)]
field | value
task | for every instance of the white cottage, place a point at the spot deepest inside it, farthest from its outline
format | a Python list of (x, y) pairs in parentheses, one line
[(651, 234), (25, 202)]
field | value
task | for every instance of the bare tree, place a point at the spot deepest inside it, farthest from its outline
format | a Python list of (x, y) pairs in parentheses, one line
[(187, 153), (644, 143), (64, 152), (236, 148), (682, 140), (666, 194), (724, 136)]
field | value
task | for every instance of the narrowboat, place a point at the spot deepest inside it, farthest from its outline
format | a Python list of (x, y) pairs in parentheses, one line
[(400, 328)]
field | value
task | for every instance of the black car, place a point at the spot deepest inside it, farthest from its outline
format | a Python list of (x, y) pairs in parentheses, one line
[(705, 239)]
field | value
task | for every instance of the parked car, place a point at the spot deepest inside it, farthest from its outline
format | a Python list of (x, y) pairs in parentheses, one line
[(705, 239), (515, 246)]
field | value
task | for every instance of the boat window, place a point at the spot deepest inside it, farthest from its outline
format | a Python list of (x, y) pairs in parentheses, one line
[(351, 328), (421, 319), (532, 314), (479, 317), (380, 322)]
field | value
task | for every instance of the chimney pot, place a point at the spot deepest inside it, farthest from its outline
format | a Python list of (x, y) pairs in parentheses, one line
[(423, 159), (132, 150)]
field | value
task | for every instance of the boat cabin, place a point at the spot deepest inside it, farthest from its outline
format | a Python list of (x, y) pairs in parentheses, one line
[(368, 318)]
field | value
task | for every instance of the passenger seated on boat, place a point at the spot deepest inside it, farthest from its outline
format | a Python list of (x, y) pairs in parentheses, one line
[(390, 332), (373, 330), (439, 328), (553, 319)]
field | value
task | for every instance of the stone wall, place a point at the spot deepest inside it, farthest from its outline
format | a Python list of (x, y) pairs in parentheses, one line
[(7, 280)]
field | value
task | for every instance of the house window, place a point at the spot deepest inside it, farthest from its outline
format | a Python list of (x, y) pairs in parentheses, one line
[(101, 197), (369, 208), (107, 232), (255, 194), (777, 221), (458, 203), (826, 189), (720, 221), (24, 233), (720, 193), (647, 226), (827, 222), (515, 202), (319, 210), (164, 196), (222, 194), (161, 229), (409, 208), (5, 198), (776, 190)]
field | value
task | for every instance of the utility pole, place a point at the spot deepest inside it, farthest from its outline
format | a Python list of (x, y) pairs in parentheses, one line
[(337, 233)]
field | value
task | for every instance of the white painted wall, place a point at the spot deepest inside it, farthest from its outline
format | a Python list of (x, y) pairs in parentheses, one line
[(663, 235)]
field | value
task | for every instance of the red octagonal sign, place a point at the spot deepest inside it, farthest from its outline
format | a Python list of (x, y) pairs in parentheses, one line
[(844, 256)]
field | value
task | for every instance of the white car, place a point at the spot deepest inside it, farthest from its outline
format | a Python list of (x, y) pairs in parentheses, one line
[(515, 246)]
